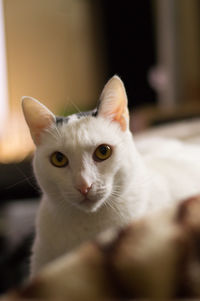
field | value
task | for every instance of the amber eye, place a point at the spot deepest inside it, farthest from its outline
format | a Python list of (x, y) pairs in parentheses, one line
[(58, 159), (102, 152)]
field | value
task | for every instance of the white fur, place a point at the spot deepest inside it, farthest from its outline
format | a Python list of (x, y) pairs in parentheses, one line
[(125, 186)]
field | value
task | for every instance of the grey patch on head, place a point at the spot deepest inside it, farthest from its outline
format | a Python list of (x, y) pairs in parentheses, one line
[(61, 120), (85, 114)]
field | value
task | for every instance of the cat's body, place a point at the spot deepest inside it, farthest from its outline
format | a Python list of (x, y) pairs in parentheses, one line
[(93, 177)]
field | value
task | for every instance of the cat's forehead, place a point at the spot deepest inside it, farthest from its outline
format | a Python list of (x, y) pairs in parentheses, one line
[(76, 116), (88, 130)]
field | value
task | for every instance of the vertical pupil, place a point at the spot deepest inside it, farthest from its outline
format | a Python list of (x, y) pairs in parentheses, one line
[(103, 150), (59, 157)]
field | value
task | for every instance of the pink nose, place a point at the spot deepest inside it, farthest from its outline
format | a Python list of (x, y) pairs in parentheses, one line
[(84, 189)]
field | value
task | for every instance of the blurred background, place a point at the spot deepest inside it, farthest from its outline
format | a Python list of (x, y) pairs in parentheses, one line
[(62, 52)]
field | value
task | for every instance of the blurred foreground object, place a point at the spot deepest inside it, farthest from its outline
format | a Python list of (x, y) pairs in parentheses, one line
[(156, 257)]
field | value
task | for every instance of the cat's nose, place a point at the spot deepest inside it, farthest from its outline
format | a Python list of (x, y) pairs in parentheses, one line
[(84, 189)]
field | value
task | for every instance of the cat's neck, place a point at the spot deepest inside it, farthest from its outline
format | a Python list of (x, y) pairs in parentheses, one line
[(108, 215)]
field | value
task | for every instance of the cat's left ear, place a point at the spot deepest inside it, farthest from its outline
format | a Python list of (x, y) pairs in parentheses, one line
[(37, 116), (113, 103)]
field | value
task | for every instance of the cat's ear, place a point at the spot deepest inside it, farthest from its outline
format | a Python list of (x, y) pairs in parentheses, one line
[(37, 116), (113, 102)]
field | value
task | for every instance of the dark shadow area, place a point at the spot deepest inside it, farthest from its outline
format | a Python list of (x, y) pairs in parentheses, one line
[(17, 182), (130, 46), (18, 203)]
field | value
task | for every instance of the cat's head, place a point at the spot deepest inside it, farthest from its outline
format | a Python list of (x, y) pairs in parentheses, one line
[(80, 159)]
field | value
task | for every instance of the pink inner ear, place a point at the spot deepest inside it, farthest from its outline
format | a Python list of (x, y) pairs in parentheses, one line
[(113, 102), (122, 121), (37, 116), (119, 114), (37, 128)]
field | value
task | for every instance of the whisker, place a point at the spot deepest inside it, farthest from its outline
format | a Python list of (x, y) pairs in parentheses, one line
[(27, 179), (115, 195), (111, 205), (75, 106), (50, 132), (19, 182), (58, 132)]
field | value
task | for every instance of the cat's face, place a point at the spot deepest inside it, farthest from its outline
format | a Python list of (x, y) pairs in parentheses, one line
[(80, 162), (79, 159)]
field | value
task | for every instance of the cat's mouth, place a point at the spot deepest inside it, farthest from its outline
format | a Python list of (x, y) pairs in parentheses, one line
[(87, 200), (92, 201), (90, 204)]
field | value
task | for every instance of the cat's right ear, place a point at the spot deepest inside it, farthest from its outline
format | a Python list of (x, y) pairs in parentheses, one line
[(37, 116), (113, 103)]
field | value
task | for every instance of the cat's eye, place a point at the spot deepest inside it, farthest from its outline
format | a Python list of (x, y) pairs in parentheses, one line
[(102, 152), (58, 159)]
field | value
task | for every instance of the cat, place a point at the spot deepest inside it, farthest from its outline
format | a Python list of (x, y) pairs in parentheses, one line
[(93, 177)]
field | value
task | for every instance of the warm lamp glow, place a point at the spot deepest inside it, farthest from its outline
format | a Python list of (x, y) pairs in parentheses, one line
[(3, 72), (15, 142)]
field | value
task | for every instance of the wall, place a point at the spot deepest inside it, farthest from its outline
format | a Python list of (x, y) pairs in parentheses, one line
[(53, 52)]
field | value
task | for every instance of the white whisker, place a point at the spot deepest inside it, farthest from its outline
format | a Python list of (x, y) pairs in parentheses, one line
[(50, 132), (27, 179), (75, 106), (20, 182)]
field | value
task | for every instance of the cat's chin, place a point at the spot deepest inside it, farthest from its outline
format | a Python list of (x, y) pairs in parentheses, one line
[(89, 206)]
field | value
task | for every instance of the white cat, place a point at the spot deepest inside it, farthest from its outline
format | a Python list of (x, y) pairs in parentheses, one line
[(92, 176)]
